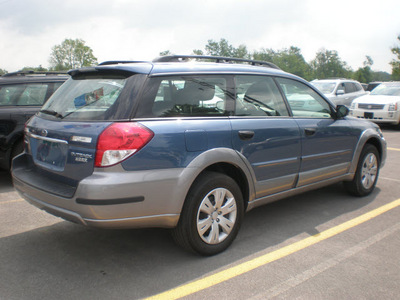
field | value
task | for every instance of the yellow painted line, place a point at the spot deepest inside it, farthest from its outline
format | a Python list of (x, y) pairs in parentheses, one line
[(393, 149), (11, 201), (245, 267)]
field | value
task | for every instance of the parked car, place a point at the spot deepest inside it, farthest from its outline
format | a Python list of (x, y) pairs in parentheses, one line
[(382, 105), (21, 96), (372, 85), (140, 144), (340, 91)]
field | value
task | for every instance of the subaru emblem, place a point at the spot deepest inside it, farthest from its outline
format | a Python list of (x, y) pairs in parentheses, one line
[(43, 132)]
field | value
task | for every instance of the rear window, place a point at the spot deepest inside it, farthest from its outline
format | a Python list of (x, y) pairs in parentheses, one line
[(85, 98)]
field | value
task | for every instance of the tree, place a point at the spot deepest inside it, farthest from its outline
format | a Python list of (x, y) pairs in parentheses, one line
[(365, 74), (396, 62), (327, 64), (2, 72), (166, 52), (38, 69), (223, 48), (290, 60), (72, 54)]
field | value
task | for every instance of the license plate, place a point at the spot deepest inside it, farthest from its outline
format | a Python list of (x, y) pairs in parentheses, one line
[(51, 154), (368, 115)]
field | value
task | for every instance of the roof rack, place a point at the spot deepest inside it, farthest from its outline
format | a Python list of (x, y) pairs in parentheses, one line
[(115, 62), (28, 73), (218, 59)]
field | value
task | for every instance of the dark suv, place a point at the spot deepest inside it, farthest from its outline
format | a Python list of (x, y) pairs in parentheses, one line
[(189, 145), (21, 96)]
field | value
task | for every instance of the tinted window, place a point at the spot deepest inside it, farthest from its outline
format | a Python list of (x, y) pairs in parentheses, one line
[(350, 87), (304, 101), (258, 96), (189, 96), (24, 94)]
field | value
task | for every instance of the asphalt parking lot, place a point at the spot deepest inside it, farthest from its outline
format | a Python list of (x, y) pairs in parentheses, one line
[(323, 244)]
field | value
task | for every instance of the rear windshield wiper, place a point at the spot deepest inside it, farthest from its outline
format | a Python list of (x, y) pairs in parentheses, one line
[(52, 113)]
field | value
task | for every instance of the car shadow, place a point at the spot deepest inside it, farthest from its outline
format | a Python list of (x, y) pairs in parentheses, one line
[(66, 260)]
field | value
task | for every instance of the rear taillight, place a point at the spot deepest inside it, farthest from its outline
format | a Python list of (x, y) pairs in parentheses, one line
[(119, 141)]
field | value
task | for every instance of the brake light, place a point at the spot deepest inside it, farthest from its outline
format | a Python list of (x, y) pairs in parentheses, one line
[(119, 141)]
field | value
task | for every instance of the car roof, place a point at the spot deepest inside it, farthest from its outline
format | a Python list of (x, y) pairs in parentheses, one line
[(334, 80), (31, 76), (174, 66)]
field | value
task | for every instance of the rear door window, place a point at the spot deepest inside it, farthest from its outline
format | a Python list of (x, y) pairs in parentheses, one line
[(186, 96)]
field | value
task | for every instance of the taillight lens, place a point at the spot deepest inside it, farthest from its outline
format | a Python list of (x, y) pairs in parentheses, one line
[(119, 141)]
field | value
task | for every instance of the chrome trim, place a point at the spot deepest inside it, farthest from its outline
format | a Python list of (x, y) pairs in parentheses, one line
[(38, 137)]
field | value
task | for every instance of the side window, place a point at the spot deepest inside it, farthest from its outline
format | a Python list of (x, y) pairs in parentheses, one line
[(303, 100), (190, 96), (340, 89), (258, 96), (9, 94), (349, 87), (34, 94)]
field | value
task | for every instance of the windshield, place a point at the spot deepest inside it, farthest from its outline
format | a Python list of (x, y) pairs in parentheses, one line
[(325, 87), (387, 90), (84, 98)]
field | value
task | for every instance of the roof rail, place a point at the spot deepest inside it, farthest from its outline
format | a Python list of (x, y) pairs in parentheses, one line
[(30, 72), (115, 62), (218, 59)]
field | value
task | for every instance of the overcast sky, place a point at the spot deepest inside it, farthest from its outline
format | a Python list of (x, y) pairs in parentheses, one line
[(141, 29)]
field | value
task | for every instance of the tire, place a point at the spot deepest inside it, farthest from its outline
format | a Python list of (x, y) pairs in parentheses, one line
[(366, 174), (211, 216)]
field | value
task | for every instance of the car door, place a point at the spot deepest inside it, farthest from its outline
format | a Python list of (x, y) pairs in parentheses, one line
[(327, 143), (264, 134)]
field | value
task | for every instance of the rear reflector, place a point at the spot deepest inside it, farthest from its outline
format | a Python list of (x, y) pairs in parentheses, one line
[(119, 141)]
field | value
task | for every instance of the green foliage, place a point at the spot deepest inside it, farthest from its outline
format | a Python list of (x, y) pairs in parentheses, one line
[(327, 64), (223, 48), (36, 69), (166, 52), (396, 62), (2, 72), (289, 60), (364, 74), (71, 54)]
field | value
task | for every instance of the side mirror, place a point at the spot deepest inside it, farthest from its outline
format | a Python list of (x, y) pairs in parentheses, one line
[(341, 111)]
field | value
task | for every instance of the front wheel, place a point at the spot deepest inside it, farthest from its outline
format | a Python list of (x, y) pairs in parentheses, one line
[(366, 174), (211, 216)]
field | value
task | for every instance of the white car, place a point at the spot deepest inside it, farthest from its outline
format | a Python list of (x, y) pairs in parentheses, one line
[(339, 91), (382, 105)]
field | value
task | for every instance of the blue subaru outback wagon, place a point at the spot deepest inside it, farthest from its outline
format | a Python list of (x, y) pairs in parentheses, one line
[(188, 145)]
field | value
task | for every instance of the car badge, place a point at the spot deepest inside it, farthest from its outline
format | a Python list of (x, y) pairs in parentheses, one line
[(43, 132), (369, 106)]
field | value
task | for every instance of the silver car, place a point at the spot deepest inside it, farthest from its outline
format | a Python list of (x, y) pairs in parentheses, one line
[(339, 91)]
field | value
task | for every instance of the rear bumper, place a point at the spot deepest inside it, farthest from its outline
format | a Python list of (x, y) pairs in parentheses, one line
[(111, 198)]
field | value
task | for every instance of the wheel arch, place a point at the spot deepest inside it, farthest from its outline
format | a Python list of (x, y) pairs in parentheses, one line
[(221, 160), (372, 137)]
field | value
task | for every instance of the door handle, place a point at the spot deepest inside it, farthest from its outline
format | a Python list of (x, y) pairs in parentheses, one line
[(310, 131), (246, 134)]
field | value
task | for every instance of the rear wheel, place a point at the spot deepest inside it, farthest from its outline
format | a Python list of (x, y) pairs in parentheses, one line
[(211, 216), (366, 174)]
